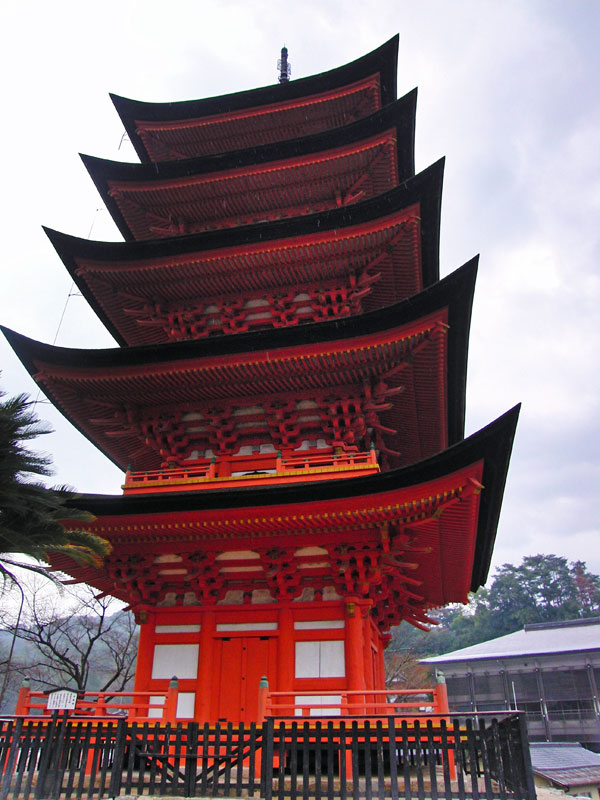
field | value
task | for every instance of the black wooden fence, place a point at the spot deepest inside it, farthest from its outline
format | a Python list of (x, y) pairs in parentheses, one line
[(346, 759), (393, 758)]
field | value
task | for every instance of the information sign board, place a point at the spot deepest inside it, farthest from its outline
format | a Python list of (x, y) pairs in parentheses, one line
[(61, 699)]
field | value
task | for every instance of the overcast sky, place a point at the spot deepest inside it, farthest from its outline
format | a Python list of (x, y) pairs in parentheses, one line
[(508, 92)]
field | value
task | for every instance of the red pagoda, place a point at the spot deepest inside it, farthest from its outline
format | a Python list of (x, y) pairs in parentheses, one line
[(287, 398)]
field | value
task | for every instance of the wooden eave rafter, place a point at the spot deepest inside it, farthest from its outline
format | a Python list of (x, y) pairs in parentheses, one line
[(401, 225), (122, 403), (132, 191), (386, 255), (345, 353), (445, 511), (161, 208), (162, 131), (221, 133), (390, 550), (406, 507)]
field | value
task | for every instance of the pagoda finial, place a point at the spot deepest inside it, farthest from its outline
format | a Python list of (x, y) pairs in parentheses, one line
[(284, 67)]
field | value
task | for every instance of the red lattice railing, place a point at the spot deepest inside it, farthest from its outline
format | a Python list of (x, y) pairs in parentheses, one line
[(257, 469)]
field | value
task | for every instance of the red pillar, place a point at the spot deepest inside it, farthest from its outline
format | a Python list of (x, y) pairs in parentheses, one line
[(206, 667), (355, 663), (170, 707), (263, 693), (441, 706), (143, 669), (286, 657), (370, 677)]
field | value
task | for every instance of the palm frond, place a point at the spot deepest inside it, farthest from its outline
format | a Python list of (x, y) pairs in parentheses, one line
[(35, 520)]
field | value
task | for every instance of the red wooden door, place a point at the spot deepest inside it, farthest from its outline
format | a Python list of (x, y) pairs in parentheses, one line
[(242, 661)]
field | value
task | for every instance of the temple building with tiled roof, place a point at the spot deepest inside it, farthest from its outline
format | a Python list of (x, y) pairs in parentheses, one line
[(550, 670), (287, 396)]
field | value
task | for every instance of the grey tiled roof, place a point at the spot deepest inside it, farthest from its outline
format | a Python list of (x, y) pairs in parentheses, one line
[(572, 635), (571, 777), (565, 763), (562, 755)]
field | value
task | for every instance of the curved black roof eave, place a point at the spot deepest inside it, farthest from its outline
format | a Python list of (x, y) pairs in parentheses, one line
[(454, 292), (495, 472), (492, 444), (426, 188), (399, 114), (383, 60)]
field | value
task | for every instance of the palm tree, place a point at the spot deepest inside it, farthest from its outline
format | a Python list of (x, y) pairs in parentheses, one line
[(36, 521)]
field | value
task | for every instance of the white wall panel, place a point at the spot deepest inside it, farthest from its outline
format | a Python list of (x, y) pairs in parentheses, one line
[(178, 629), (332, 661), (319, 700), (317, 624), (320, 659), (307, 659), (185, 705), (246, 626), (156, 713), (180, 660)]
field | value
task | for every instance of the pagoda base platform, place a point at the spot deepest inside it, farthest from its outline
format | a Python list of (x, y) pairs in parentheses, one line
[(220, 653)]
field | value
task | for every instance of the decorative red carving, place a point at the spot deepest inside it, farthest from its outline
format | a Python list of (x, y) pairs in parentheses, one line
[(238, 313), (341, 417), (187, 578), (362, 570)]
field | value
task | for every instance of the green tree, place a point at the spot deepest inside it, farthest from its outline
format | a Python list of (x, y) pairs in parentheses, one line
[(541, 589), (35, 521)]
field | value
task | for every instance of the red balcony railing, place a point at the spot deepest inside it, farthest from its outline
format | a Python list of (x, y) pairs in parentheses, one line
[(255, 470), (155, 706), (361, 703)]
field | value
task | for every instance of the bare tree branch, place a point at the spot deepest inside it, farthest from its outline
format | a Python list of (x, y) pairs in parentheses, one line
[(73, 639)]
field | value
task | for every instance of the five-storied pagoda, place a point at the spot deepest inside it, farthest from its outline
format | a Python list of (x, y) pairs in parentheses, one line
[(288, 394)]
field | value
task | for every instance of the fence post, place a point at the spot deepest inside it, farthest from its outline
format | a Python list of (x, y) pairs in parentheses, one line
[(170, 706), (100, 709), (116, 773), (13, 735), (528, 779), (372, 454), (263, 692), (23, 698), (267, 754), (441, 706), (440, 695), (47, 752)]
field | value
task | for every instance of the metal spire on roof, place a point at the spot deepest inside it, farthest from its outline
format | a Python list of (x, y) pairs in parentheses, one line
[(284, 67)]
